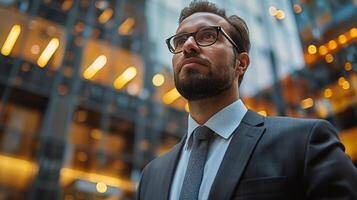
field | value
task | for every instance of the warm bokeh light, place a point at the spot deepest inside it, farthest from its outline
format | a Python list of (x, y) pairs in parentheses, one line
[(323, 50), (35, 49), (280, 15), (346, 85), (348, 66), (332, 44), (11, 40), (96, 134), (263, 113), (328, 93), (105, 16), (187, 107), (349, 139), (133, 89), (11, 167), (67, 4), (125, 77), (329, 58), (341, 81), (127, 26), (322, 111), (353, 32), (297, 8), (158, 80), (98, 64), (171, 96), (69, 174), (48, 52), (82, 156), (101, 187), (272, 11), (342, 39), (307, 103), (312, 49)]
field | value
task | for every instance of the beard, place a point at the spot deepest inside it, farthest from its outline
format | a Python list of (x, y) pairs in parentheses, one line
[(196, 86)]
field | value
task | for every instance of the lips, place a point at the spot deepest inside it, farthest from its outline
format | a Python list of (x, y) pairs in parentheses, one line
[(190, 62)]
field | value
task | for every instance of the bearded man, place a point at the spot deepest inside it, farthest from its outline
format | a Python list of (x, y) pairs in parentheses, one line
[(230, 152)]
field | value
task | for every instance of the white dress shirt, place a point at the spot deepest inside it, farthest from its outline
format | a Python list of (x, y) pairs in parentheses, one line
[(223, 123)]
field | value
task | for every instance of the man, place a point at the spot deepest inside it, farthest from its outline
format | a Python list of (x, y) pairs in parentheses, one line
[(230, 152)]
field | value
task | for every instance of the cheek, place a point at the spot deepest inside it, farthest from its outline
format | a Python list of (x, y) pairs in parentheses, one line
[(220, 59), (174, 61)]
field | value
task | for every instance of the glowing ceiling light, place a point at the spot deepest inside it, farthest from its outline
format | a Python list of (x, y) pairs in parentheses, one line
[(48, 52), (280, 15), (297, 8), (98, 64), (158, 80), (171, 96), (312, 49), (101, 187), (11, 40), (341, 81), (327, 92), (323, 50), (125, 77), (329, 58), (346, 85), (353, 32), (106, 15), (342, 39), (272, 11), (127, 26), (348, 66), (307, 103), (332, 44)]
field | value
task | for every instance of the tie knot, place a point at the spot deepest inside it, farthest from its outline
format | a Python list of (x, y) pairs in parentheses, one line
[(203, 133)]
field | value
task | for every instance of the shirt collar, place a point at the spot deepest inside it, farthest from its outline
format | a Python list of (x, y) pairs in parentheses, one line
[(224, 122)]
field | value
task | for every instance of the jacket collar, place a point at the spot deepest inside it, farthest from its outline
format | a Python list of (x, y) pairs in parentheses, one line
[(237, 156)]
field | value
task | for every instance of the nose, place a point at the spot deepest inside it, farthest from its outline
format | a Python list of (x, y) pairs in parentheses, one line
[(190, 45)]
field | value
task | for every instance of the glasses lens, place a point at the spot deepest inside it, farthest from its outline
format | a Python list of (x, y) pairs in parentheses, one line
[(206, 36), (177, 42)]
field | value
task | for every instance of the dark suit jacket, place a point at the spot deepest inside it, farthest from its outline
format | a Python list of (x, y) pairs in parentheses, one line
[(268, 158)]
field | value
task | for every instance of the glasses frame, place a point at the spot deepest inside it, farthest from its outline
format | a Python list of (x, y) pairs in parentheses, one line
[(193, 34)]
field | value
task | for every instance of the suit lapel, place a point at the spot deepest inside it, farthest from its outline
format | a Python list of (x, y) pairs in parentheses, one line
[(168, 171), (237, 156)]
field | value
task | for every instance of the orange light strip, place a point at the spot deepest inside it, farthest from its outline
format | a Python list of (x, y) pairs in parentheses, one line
[(312, 55), (11, 40)]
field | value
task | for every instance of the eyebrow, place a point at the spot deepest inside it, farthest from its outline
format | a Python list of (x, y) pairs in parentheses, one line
[(199, 27)]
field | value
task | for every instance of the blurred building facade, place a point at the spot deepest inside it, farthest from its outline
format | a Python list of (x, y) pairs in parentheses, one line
[(328, 34), (87, 96), (74, 104)]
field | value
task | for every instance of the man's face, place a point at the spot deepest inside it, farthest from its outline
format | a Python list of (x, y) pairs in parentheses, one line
[(203, 72)]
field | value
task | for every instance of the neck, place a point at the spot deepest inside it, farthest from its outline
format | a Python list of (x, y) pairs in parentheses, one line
[(203, 109)]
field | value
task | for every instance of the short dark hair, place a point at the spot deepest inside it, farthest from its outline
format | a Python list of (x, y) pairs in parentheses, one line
[(239, 31)]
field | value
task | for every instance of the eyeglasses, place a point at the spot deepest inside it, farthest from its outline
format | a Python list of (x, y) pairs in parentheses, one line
[(204, 37)]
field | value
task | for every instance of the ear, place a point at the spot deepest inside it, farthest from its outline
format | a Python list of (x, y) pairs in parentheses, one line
[(242, 63)]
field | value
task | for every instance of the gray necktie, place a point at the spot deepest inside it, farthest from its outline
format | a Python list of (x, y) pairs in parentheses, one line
[(194, 172)]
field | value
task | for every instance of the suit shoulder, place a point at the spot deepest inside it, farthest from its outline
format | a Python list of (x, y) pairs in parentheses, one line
[(303, 129), (284, 122)]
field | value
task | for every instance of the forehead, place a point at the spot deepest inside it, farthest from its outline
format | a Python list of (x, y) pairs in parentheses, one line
[(201, 19)]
